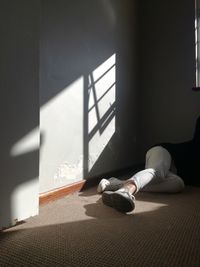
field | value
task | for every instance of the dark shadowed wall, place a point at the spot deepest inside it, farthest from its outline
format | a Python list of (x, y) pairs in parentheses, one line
[(168, 106)]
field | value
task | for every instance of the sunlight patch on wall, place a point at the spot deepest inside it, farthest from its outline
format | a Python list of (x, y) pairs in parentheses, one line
[(25, 201), (24, 198), (71, 172), (27, 144), (61, 122), (101, 108)]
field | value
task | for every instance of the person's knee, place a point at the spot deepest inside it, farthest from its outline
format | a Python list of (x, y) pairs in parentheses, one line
[(159, 159), (178, 186), (155, 150)]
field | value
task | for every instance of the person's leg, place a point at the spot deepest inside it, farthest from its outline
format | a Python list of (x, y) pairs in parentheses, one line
[(158, 162), (157, 165), (159, 159), (171, 184)]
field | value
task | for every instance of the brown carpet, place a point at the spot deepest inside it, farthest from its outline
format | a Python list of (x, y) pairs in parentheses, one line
[(78, 230)]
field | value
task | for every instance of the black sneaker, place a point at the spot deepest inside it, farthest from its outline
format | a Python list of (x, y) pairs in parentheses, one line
[(111, 184), (120, 200)]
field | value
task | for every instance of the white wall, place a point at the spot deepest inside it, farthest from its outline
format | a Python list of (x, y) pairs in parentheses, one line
[(168, 106), (19, 110), (81, 41)]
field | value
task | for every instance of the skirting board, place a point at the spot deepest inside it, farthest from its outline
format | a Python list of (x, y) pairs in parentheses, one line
[(44, 198)]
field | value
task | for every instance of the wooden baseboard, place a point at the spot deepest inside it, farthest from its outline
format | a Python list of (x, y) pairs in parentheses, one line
[(44, 198)]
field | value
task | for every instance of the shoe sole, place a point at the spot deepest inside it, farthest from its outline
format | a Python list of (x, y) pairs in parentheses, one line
[(117, 201)]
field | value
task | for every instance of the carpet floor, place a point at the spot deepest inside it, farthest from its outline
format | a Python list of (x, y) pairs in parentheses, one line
[(78, 230)]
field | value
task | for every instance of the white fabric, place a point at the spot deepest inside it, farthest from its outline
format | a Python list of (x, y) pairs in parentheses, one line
[(157, 176)]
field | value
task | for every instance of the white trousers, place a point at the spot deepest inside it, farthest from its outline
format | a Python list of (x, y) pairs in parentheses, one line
[(157, 176)]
